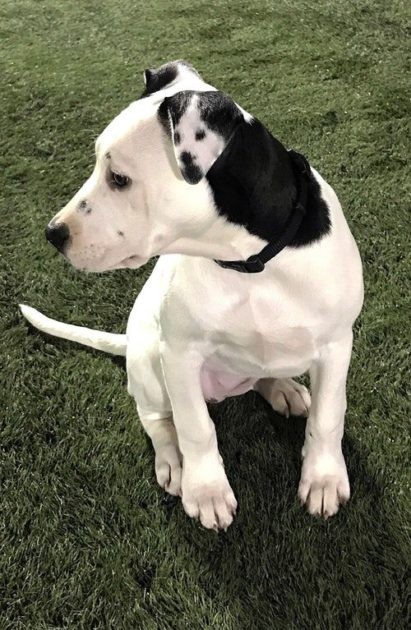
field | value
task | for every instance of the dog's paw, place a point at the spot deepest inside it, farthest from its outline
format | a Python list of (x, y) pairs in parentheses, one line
[(168, 469), (324, 484), (207, 495), (286, 396)]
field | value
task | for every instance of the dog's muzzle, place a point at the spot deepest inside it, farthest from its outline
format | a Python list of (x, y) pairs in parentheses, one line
[(58, 235)]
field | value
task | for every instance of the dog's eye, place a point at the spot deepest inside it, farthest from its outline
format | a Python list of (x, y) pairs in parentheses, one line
[(119, 181)]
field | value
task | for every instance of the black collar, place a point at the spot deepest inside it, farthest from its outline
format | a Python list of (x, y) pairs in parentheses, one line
[(256, 263)]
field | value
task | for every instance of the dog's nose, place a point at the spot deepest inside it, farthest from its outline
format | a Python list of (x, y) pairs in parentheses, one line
[(58, 235)]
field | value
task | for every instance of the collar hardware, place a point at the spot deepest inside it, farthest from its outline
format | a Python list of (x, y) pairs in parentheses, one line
[(253, 264)]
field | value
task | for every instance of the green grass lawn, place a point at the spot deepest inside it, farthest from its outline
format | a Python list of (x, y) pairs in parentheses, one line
[(87, 539)]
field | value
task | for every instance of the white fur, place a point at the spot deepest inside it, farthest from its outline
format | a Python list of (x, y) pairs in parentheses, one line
[(107, 342), (196, 327)]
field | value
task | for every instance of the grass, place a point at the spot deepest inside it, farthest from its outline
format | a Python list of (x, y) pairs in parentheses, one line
[(87, 538)]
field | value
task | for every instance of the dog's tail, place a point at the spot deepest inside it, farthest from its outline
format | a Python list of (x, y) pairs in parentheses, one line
[(108, 342)]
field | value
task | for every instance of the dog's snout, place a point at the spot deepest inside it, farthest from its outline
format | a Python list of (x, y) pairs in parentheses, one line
[(58, 235)]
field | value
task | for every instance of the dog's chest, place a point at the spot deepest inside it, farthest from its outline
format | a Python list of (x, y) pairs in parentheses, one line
[(249, 327), (259, 352), (257, 333)]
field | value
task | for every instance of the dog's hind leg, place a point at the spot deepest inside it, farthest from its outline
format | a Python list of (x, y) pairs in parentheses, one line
[(168, 460), (146, 385), (285, 395)]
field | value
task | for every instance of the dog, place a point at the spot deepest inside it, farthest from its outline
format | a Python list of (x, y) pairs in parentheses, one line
[(259, 281)]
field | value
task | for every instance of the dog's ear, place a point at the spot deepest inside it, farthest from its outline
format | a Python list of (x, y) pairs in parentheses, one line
[(200, 125), (147, 76), (156, 79)]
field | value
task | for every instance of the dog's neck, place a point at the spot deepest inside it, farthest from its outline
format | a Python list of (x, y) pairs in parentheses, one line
[(221, 240)]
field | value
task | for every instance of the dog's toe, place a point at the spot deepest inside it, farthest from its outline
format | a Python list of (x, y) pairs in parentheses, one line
[(324, 485), (286, 396), (211, 500), (168, 470)]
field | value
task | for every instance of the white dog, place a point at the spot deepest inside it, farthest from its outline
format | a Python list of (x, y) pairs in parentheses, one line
[(262, 282)]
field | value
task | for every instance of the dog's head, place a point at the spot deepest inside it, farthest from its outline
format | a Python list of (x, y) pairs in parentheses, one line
[(148, 187)]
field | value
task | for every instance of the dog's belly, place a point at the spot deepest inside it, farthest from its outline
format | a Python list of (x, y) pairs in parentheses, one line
[(217, 384)]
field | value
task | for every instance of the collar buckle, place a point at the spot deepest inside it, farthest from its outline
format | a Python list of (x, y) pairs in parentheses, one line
[(254, 264)]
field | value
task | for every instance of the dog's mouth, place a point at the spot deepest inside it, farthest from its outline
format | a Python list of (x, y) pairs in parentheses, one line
[(130, 262), (98, 266)]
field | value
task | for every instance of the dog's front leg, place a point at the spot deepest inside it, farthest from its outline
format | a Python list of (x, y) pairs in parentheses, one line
[(324, 481), (206, 493)]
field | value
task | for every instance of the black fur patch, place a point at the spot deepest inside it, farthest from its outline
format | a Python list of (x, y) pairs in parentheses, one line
[(219, 113), (253, 181), (157, 79), (192, 172), (177, 138), (175, 106), (200, 134), (254, 185)]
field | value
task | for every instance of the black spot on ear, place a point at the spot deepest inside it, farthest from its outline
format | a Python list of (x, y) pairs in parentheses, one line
[(191, 172), (177, 138), (120, 233), (186, 157), (200, 134), (219, 113)]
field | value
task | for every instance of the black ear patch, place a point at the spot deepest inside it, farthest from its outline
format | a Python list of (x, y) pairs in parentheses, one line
[(192, 172), (172, 109), (255, 185), (157, 79)]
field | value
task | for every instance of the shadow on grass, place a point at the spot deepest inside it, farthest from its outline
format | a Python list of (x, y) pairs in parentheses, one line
[(279, 567)]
